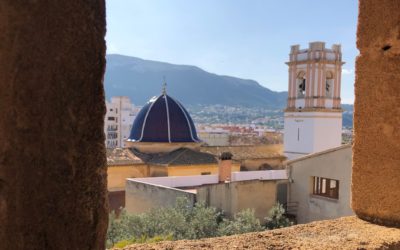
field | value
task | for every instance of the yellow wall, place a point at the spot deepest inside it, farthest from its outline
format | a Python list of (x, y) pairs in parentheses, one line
[(197, 169), (158, 171), (117, 175)]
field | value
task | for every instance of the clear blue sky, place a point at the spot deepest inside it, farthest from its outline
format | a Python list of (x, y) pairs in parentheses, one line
[(249, 39)]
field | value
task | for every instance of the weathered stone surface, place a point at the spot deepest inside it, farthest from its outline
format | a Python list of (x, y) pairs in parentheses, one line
[(378, 20), (52, 156), (376, 157), (344, 233)]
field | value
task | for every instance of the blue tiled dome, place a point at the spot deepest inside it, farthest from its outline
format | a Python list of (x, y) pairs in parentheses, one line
[(163, 119)]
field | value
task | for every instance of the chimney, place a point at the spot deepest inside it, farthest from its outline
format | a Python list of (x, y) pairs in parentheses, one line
[(225, 167)]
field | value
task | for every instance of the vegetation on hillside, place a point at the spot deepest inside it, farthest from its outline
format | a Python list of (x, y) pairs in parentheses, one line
[(182, 221)]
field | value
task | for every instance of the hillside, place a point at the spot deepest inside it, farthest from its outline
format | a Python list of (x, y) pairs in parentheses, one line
[(141, 79), (197, 89)]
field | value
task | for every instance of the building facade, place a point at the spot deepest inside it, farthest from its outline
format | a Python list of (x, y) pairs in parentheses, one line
[(320, 185), (313, 117), (118, 121)]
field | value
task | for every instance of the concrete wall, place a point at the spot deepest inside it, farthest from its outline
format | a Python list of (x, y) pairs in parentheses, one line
[(141, 197), (116, 175), (376, 163), (334, 164), (234, 197), (180, 181), (259, 175), (52, 154), (198, 180), (187, 170)]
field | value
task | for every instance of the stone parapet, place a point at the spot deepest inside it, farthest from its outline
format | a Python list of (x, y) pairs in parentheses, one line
[(344, 233)]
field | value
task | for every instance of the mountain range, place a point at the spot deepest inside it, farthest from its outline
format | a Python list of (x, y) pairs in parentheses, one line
[(142, 79)]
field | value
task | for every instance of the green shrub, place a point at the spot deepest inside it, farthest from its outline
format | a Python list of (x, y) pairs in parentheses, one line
[(203, 222), (276, 218), (117, 228), (243, 222), (184, 221)]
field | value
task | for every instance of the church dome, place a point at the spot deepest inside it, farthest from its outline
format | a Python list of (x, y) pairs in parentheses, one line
[(163, 119)]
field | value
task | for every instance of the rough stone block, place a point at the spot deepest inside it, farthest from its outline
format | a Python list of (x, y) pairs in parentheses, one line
[(52, 155), (376, 157)]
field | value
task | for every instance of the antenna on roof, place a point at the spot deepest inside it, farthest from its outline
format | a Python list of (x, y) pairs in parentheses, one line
[(164, 89)]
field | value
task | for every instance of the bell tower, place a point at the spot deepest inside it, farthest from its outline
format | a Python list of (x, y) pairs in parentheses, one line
[(313, 116)]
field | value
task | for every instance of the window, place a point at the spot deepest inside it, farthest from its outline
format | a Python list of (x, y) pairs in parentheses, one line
[(301, 84), (325, 187), (329, 84), (110, 118)]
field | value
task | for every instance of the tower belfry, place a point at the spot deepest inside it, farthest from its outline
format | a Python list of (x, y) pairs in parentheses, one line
[(313, 116)]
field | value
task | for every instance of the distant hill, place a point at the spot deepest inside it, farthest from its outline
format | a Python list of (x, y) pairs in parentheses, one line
[(141, 79)]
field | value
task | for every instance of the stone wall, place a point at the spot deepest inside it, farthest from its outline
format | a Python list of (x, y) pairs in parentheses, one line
[(376, 151), (52, 155)]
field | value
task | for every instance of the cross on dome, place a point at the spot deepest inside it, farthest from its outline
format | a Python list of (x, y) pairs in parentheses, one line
[(164, 89)]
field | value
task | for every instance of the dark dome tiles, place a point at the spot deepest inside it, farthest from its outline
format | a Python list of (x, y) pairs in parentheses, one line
[(163, 120), (180, 130), (156, 124), (136, 132)]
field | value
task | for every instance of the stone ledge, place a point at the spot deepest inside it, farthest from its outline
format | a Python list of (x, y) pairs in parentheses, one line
[(343, 233)]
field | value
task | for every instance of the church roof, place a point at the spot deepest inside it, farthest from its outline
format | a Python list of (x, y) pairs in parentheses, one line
[(121, 156), (163, 119), (181, 156)]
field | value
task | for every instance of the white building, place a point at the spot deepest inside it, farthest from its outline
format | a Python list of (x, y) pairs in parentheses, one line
[(313, 117), (214, 136), (320, 185), (118, 121)]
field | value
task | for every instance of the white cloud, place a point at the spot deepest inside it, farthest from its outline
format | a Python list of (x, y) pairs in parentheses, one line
[(347, 71)]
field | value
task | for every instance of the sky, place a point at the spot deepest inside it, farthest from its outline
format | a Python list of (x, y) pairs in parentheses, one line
[(249, 39)]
